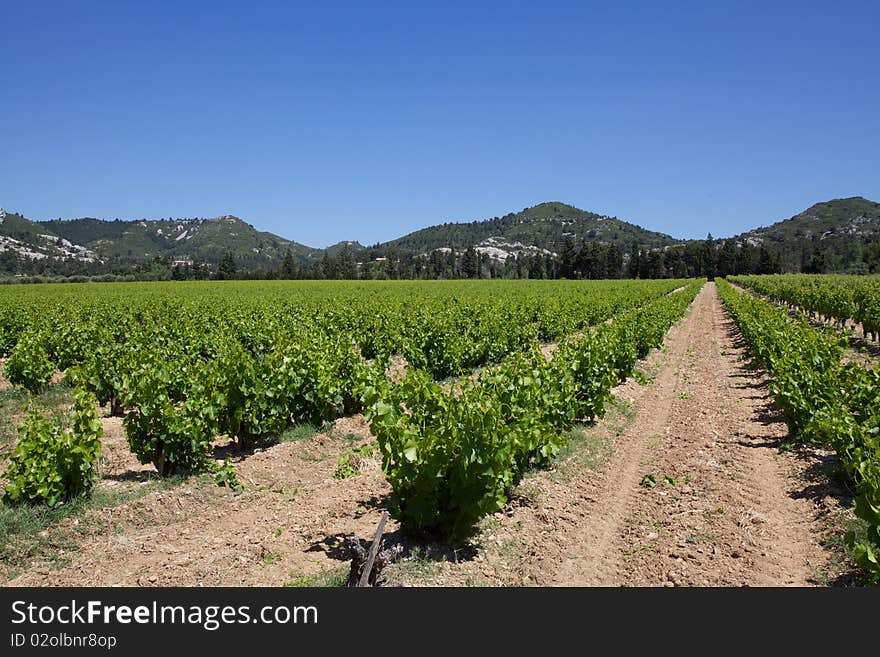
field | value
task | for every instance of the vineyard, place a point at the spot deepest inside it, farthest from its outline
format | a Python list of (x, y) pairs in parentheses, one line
[(824, 401), (835, 298), (466, 390)]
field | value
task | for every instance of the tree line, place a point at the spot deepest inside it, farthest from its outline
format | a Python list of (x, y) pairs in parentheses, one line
[(576, 259)]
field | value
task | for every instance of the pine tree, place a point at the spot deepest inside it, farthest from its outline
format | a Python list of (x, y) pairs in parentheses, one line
[(536, 267), (635, 263), (726, 259), (568, 256), (470, 263), (346, 266), (768, 261), (227, 267), (328, 266), (289, 270), (710, 258)]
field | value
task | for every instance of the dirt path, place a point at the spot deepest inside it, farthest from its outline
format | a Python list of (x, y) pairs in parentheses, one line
[(726, 505)]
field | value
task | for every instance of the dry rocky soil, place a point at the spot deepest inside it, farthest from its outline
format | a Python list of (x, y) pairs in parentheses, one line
[(681, 484)]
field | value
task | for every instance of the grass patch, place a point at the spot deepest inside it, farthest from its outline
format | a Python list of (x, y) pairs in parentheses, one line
[(12, 394), (333, 577), (645, 374), (297, 433), (856, 529), (315, 458), (32, 533), (417, 568), (288, 491), (527, 494), (700, 538), (269, 558), (587, 446), (352, 460), (590, 445), (349, 437)]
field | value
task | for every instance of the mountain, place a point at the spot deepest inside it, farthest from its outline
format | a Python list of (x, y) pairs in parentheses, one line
[(543, 229), (357, 249), (35, 241), (836, 235), (540, 230), (197, 240), (833, 235)]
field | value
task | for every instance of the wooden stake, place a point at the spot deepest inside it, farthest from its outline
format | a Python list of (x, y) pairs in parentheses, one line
[(374, 550)]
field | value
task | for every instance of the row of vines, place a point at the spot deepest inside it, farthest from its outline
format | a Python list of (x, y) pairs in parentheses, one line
[(824, 400), (839, 298)]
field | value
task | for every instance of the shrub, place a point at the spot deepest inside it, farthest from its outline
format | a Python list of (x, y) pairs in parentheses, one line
[(29, 365), (174, 436), (52, 462)]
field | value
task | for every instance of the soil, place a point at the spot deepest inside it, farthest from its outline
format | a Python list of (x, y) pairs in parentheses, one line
[(722, 506), (722, 510), (4, 382)]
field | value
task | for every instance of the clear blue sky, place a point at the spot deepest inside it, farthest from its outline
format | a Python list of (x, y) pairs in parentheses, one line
[(367, 120)]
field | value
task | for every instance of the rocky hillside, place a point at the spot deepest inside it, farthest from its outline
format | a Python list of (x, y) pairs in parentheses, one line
[(197, 240), (34, 241), (541, 229), (851, 218), (833, 235)]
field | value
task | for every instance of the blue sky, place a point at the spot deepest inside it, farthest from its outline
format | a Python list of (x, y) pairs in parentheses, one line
[(334, 120)]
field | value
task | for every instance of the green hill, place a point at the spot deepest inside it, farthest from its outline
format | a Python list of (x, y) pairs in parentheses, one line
[(355, 248), (199, 240), (836, 235), (32, 242), (544, 227)]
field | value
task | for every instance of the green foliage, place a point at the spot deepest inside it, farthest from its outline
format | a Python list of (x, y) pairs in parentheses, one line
[(52, 463), (175, 436), (225, 475), (188, 362), (29, 365), (452, 456), (867, 507), (227, 267), (822, 238), (206, 240), (831, 297), (544, 225), (351, 460), (449, 460)]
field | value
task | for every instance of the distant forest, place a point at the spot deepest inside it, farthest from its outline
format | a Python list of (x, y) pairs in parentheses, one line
[(577, 260)]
